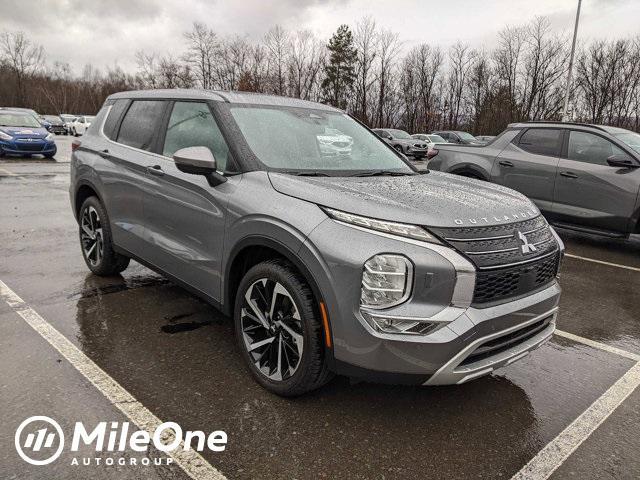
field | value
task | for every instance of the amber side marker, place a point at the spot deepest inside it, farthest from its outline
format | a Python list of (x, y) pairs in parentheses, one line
[(325, 324)]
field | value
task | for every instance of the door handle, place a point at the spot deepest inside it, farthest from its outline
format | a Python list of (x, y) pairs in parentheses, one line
[(104, 153), (569, 174), (155, 170), (505, 163)]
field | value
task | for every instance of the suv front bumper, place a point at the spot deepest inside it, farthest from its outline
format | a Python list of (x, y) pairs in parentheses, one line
[(469, 342)]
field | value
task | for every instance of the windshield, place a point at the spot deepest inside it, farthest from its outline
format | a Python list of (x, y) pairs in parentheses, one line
[(630, 138), (18, 120), (437, 139), (308, 140), (466, 136), (401, 134), (67, 118)]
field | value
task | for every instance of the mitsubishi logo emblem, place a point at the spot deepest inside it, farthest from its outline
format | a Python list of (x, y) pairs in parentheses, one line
[(526, 246)]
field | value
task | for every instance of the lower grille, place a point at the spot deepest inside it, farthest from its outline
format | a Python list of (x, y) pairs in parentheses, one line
[(501, 283), (30, 147), (505, 342)]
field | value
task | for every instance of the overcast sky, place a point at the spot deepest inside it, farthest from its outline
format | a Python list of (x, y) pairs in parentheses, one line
[(110, 32)]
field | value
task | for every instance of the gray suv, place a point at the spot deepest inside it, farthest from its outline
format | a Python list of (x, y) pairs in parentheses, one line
[(403, 142), (583, 177), (354, 263)]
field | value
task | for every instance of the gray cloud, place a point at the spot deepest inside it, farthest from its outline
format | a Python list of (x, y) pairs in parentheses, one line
[(110, 32)]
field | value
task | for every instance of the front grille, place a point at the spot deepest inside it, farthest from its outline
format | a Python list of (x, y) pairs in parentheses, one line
[(512, 259), (502, 283)]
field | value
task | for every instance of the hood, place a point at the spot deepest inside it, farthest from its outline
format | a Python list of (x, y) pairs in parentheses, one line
[(26, 132), (434, 199)]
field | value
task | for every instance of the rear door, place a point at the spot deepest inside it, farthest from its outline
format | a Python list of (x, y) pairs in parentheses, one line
[(123, 167), (528, 164), (588, 191), (184, 215)]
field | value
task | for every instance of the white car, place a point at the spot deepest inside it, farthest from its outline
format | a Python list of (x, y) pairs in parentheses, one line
[(80, 125), (334, 142), (432, 142)]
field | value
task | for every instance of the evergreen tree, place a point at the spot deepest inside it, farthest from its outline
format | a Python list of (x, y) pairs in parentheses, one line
[(340, 70)]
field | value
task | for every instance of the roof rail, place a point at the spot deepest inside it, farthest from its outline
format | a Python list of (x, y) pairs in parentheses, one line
[(546, 122)]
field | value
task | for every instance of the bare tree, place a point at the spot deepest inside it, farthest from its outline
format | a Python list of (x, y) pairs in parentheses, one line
[(23, 58), (277, 43), (305, 64), (202, 49), (388, 50), (366, 44)]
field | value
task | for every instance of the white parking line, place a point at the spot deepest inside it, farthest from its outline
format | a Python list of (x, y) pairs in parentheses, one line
[(189, 460), (560, 448), (598, 345), (601, 262)]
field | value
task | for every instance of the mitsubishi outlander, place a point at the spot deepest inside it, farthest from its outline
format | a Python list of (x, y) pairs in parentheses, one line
[(346, 261)]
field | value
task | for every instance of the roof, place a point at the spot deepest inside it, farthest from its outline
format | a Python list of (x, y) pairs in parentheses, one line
[(223, 96), (547, 123), (15, 112)]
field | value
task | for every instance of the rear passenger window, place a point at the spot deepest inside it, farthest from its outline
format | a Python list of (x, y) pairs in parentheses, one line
[(542, 141), (111, 123), (192, 125), (140, 123)]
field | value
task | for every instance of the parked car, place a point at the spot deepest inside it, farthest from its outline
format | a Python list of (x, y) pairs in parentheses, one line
[(22, 134), (485, 138), (325, 266), (402, 142), (41, 120), (57, 125), (581, 176), (333, 142), (456, 136), (431, 140), (68, 121), (80, 124)]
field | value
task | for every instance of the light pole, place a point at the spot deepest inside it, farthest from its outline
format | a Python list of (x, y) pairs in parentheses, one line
[(573, 50)]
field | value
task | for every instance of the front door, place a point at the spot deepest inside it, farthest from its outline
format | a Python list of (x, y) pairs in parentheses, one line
[(588, 191), (184, 215)]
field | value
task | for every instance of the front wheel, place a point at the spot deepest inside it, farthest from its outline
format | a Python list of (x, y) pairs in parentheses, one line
[(96, 241), (398, 148), (279, 330)]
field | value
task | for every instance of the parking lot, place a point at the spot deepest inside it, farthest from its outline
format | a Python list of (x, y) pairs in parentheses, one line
[(569, 409)]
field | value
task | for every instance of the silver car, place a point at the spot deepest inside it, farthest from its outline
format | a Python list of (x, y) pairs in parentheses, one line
[(355, 264)]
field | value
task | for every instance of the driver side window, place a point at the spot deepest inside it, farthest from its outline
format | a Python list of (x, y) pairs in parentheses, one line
[(192, 125), (590, 148)]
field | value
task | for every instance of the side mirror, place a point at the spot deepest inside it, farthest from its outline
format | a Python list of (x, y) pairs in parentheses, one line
[(198, 161), (622, 161)]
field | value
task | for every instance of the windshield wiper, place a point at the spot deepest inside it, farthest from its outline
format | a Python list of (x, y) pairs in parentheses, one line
[(383, 173), (307, 173)]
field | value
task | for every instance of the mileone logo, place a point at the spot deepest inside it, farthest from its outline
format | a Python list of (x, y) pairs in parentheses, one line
[(39, 440)]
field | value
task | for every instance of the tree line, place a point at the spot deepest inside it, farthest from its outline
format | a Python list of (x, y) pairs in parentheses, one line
[(366, 70)]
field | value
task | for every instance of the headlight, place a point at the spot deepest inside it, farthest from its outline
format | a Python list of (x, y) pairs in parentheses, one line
[(400, 229), (5, 136), (49, 137), (386, 281)]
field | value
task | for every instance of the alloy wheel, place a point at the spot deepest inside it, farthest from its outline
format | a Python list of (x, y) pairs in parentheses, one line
[(272, 329), (91, 236)]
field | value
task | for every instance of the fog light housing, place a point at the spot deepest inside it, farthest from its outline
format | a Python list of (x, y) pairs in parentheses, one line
[(391, 324), (386, 281)]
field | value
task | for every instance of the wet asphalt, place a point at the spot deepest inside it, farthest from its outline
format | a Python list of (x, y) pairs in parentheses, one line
[(177, 356)]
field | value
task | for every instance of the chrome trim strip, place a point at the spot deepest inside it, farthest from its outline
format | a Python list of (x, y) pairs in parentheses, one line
[(489, 252), (507, 265), (448, 374), (480, 239)]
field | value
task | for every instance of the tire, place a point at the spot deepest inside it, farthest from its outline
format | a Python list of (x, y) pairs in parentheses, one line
[(96, 242), (470, 175), (399, 148), (49, 155), (296, 330)]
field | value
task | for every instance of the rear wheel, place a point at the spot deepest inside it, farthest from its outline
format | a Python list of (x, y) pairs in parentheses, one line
[(399, 148), (96, 241), (279, 331)]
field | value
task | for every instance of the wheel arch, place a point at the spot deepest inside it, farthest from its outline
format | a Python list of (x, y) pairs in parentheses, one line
[(470, 169), (84, 190)]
